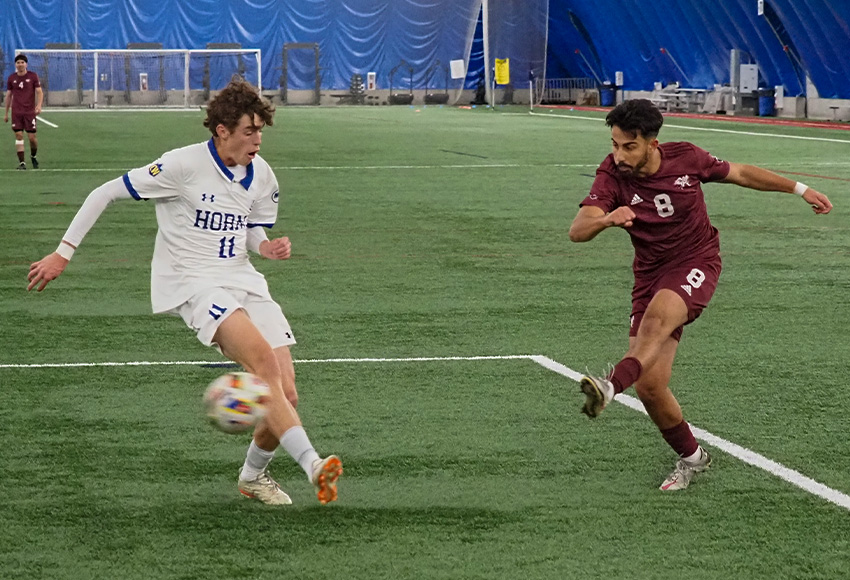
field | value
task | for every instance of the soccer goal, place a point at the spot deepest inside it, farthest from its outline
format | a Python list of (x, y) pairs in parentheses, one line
[(140, 78)]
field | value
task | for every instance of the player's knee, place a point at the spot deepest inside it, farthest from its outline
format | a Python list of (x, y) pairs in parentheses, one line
[(649, 391), (651, 321), (288, 380), (292, 397), (264, 364)]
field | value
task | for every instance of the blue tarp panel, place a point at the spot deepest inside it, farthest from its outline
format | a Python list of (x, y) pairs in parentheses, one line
[(355, 36), (689, 41), (686, 41)]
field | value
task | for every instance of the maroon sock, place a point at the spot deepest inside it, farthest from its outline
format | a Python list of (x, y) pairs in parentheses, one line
[(626, 372), (681, 439), (20, 156)]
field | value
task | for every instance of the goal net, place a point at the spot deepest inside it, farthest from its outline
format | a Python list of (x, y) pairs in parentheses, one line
[(140, 78)]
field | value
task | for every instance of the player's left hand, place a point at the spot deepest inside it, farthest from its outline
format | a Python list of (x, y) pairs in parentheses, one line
[(277, 249), (38, 110), (819, 202)]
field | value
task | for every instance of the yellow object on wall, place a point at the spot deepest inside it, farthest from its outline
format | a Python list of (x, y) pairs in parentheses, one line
[(503, 71)]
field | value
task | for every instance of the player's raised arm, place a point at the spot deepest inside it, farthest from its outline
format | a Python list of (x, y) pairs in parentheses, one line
[(763, 180), (52, 265)]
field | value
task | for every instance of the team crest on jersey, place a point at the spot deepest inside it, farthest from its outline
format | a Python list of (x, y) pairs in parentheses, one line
[(275, 196), (155, 169), (683, 182)]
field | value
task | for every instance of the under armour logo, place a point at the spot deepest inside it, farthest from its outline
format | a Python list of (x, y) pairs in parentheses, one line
[(288, 335), (216, 311), (204, 197), (636, 199), (683, 182)]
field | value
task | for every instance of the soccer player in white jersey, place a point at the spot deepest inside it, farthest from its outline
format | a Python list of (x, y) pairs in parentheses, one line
[(213, 201)]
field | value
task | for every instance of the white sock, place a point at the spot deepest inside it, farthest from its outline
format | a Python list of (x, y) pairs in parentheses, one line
[(298, 445), (256, 462), (697, 455)]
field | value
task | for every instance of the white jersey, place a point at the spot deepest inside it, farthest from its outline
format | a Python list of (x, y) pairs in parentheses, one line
[(203, 213)]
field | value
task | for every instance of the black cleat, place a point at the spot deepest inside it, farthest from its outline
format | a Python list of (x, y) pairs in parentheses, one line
[(22, 166), (34, 162)]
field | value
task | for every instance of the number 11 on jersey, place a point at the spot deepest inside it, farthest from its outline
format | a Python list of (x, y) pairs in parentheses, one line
[(225, 248)]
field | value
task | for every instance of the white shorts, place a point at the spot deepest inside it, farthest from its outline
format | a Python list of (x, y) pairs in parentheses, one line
[(205, 311)]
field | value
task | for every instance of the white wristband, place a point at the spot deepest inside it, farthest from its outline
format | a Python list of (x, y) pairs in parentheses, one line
[(65, 250), (800, 188)]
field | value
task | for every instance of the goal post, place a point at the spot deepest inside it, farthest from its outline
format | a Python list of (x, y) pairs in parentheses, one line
[(135, 78)]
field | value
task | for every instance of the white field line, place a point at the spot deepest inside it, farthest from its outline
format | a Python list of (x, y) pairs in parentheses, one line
[(746, 455), (46, 122), (226, 362), (751, 133), (346, 167)]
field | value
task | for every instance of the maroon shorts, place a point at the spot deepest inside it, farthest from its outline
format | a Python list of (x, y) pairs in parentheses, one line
[(694, 281), (23, 122)]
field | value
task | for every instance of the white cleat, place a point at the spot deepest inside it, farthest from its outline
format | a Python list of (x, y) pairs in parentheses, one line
[(264, 489), (325, 473), (598, 393), (684, 472)]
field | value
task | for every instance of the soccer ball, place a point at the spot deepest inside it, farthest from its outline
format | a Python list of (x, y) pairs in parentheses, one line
[(236, 402)]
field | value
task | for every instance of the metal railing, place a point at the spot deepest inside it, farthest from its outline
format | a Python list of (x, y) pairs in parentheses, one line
[(563, 91)]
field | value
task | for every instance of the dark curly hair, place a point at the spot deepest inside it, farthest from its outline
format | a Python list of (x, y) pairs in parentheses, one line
[(237, 99), (636, 117)]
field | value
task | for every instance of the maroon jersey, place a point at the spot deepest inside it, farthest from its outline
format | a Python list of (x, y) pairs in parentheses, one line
[(23, 92), (671, 222)]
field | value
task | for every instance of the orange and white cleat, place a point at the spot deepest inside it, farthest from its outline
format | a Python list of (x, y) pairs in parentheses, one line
[(325, 473)]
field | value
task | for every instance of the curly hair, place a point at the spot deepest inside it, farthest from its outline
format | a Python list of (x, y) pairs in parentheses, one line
[(237, 99), (636, 117)]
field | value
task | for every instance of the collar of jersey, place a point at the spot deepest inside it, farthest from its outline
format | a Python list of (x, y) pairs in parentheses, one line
[(249, 175)]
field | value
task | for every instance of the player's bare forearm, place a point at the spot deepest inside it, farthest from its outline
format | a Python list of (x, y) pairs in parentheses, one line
[(591, 220), (761, 179), (758, 178)]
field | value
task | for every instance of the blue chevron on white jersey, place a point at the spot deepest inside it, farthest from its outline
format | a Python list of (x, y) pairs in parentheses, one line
[(203, 212)]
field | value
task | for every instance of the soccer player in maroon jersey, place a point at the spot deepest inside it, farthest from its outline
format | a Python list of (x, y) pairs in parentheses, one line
[(24, 96), (652, 190)]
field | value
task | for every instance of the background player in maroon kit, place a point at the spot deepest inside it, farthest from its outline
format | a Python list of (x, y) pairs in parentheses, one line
[(653, 190), (24, 96)]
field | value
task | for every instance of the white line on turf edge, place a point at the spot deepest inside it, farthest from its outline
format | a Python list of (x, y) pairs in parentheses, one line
[(746, 455), (226, 362), (46, 122), (750, 133), (349, 167)]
